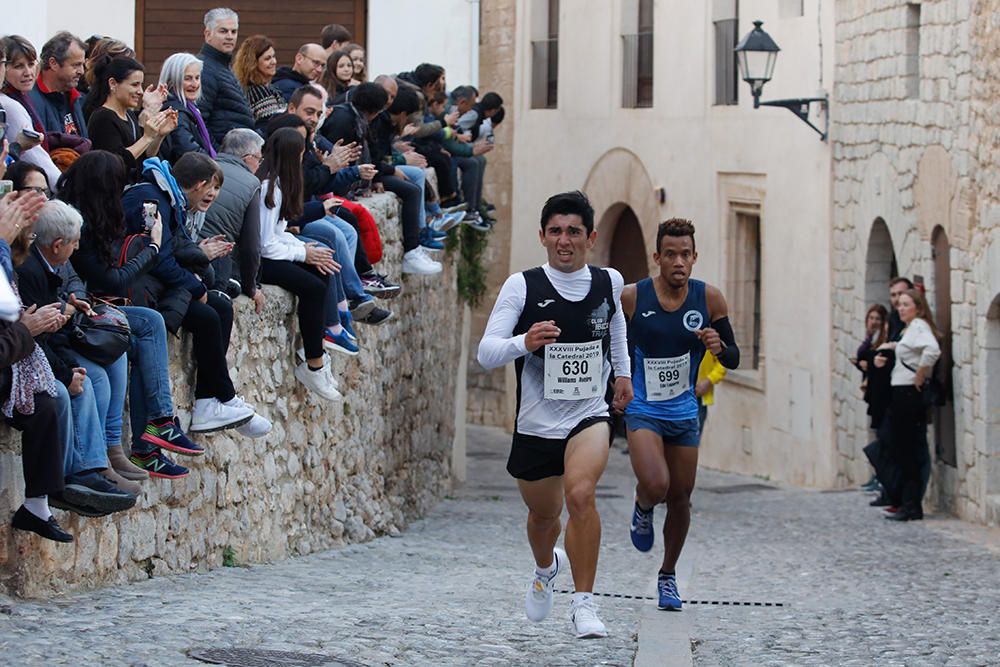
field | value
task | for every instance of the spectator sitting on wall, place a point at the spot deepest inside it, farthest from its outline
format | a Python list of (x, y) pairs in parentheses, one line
[(89, 396), (181, 77), (470, 160), (182, 195), (327, 170), (116, 124), (348, 123), (55, 97), (17, 81), (334, 37), (222, 104), (93, 185), (255, 65), (309, 64)]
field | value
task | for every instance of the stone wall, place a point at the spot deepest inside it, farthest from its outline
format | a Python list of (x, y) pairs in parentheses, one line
[(487, 402), (926, 165), (328, 474)]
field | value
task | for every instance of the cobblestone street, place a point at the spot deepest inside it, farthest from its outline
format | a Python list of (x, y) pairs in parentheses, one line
[(853, 589)]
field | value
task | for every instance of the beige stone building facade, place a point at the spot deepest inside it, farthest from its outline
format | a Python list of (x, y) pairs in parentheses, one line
[(914, 132), (637, 102)]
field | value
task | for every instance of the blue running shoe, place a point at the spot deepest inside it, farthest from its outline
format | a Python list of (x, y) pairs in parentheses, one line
[(428, 241), (347, 321), (670, 599), (641, 529), (339, 342), (435, 234)]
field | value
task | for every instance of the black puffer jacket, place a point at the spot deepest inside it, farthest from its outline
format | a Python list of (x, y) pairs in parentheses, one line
[(186, 138), (223, 105)]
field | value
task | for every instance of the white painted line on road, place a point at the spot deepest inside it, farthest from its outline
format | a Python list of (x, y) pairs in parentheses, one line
[(665, 636)]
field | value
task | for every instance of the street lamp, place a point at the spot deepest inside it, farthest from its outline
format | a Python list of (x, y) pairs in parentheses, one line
[(756, 55)]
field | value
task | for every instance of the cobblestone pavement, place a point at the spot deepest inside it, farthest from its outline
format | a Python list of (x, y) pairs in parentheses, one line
[(855, 590)]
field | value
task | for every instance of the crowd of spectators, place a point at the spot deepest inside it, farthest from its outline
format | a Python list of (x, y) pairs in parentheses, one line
[(146, 208)]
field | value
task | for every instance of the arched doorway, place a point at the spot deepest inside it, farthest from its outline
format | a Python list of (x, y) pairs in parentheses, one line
[(944, 416), (991, 398), (880, 264), (628, 249)]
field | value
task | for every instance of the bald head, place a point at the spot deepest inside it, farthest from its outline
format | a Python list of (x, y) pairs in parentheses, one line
[(310, 61), (390, 86)]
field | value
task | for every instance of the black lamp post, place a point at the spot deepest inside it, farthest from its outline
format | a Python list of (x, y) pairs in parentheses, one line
[(757, 54)]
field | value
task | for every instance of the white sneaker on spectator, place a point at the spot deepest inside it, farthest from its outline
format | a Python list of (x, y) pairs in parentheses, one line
[(257, 427), (210, 414), (319, 382), (300, 354), (419, 262)]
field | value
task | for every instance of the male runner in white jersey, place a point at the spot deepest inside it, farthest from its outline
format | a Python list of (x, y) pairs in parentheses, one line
[(562, 325), (674, 319)]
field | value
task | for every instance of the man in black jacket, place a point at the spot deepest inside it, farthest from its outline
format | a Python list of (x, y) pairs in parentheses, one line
[(223, 104), (309, 65)]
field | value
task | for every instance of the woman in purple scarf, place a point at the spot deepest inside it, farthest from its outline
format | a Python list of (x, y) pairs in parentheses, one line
[(181, 74)]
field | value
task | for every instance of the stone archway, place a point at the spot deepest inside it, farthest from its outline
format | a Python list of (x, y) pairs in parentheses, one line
[(991, 399), (880, 263), (619, 180), (944, 416), (628, 249)]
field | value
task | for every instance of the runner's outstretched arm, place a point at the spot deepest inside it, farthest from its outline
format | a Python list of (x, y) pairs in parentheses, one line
[(497, 347)]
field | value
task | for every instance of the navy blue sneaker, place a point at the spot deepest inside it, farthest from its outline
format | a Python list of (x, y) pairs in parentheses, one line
[(670, 599), (157, 464), (641, 528), (428, 241)]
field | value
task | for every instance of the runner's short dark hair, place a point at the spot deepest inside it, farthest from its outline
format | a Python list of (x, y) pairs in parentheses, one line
[(676, 227), (569, 203)]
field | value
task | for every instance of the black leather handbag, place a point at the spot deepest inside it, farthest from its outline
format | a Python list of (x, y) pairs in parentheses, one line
[(102, 337)]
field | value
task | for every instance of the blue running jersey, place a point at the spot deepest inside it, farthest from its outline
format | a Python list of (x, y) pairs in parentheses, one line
[(667, 353)]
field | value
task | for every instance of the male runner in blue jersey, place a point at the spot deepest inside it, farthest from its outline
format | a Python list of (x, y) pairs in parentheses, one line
[(674, 319), (562, 326)]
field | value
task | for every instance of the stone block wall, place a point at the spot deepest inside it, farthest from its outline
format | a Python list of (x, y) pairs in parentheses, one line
[(487, 402), (328, 474), (925, 164)]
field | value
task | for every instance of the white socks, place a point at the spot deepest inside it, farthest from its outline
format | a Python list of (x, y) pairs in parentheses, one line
[(39, 506), (580, 598), (547, 572)]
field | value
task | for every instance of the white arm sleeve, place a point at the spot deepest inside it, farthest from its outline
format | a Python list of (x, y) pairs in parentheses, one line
[(619, 334), (497, 347), (275, 242)]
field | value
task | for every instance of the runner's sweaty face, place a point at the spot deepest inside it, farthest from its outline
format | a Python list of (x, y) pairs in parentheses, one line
[(676, 259), (566, 241)]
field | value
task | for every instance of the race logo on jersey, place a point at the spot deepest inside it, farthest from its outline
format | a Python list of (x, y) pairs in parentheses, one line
[(649, 313), (600, 320), (543, 304), (693, 320)]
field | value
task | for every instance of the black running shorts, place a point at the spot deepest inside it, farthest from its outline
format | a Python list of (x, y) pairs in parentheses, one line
[(533, 458)]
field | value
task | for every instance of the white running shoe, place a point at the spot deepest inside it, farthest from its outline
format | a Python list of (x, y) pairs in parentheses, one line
[(210, 414), (585, 621), (319, 382), (538, 600), (419, 262), (257, 427)]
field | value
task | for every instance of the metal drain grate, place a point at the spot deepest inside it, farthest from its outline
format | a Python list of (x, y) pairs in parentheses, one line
[(252, 657), (739, 488), (717, 603)]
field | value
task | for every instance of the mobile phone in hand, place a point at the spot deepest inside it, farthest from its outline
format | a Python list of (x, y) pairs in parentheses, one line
[(149, 210)]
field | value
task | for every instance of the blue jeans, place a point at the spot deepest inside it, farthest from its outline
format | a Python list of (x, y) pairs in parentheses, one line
[(84, 446), (110, 383), (418, 178), (352, 281), (328, 231), (149, 395)]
